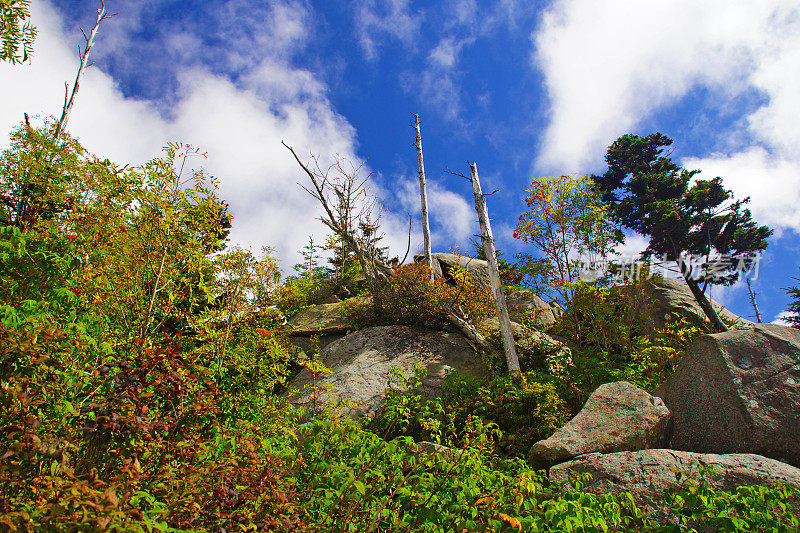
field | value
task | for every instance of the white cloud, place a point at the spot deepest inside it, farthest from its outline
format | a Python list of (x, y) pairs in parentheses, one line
[(633, 246), (781, 318), (609, 64), (452, 218), (376, 19), (239, 123), (445, 54), (438, 84), (772, 183)]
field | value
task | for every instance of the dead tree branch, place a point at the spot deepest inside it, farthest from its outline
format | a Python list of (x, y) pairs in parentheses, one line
[(84, 63), (349, 214)]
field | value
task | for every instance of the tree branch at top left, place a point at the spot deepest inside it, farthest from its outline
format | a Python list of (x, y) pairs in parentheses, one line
[(69, 98)]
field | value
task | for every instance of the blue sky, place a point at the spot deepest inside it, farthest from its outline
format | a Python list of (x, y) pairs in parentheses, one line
[(522, 88)]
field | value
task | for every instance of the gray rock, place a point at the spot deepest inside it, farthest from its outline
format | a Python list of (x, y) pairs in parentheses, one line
[(738, 392), (527, 304), (618, 416), (425, 449), (647, 474), (672, 296), (363, 362), (443, 263), (322, 316), (550, 353), (326, 315)]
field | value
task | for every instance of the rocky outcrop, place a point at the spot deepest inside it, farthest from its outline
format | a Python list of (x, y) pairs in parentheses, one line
[(547, 352), (363, 362), (672, 297), (325, 318), (322, 316), (526, 304), (647, 474), (618, 416), (444, 263), (738, 391)]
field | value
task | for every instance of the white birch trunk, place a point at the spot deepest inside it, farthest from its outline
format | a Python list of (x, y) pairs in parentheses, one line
[(423, 195), (494, 273)]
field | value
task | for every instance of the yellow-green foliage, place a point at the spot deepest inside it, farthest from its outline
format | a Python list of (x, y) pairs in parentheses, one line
[(658, 356), (615, 340), (513, 411), (410, 297)]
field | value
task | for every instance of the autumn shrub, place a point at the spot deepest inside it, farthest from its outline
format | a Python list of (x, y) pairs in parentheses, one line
[(109, 443), (410, 297)]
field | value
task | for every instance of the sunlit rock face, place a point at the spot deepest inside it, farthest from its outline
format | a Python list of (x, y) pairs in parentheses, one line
[(363, 364), (738, 392), (617, 416)]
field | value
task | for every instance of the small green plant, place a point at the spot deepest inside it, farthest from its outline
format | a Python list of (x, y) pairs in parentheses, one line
[(696, 503)]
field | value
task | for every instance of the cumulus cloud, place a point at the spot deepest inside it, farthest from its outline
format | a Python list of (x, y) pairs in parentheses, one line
[(239, 122), (609, 65), (772, 183), (452, 218)]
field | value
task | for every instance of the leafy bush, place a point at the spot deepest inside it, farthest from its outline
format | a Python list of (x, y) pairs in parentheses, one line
[(410, 297), (614, 340), (514, 411), (354, 481), (749, 508), (125, 445)]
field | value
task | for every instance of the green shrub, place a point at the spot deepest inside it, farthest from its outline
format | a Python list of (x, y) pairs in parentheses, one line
[(513, 411), (695, 503)]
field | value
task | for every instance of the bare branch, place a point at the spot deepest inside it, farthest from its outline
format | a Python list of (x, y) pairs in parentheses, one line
[(349, 213), (68, 103), (448, 171)]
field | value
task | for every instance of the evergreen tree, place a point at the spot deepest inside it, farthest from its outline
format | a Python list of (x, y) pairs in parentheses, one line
[(649, 193), (793, 317)]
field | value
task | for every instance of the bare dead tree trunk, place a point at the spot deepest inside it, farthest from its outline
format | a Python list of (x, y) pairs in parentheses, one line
[(423, 195), (373, 268), (494, 273), (69, 102), (379, 269), (753, 299)]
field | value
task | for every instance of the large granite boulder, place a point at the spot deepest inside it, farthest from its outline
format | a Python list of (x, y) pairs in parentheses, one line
[(617, 416), (672, 297), (738, 391), (526, 304), (320, 317), (647, 474), (444, 263), (362, 363)]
